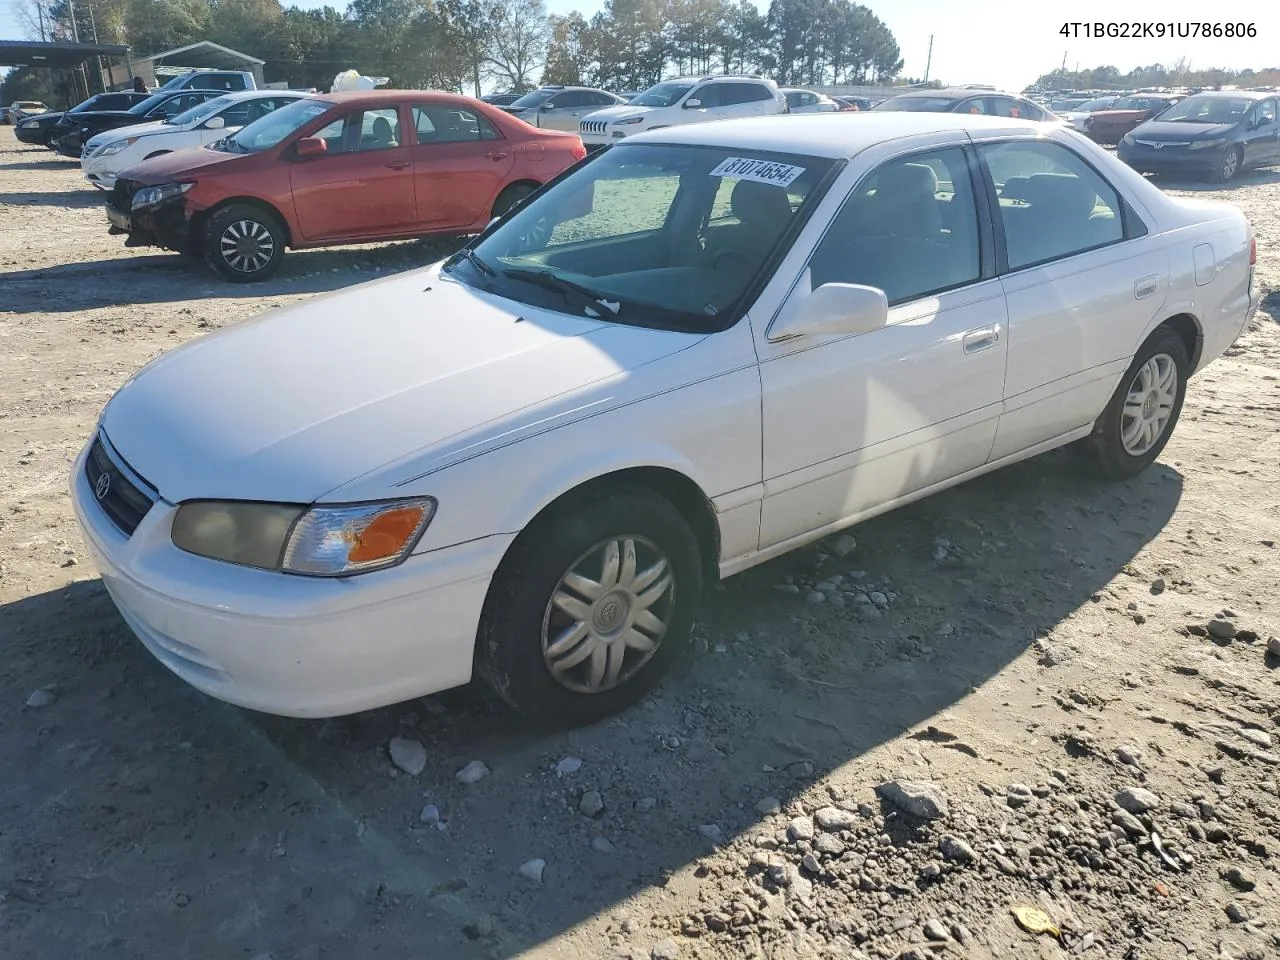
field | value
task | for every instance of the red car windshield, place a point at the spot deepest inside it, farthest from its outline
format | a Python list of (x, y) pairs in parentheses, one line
[(265, 132)]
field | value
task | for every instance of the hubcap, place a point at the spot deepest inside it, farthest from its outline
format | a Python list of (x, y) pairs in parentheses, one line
[(1148, 406), (1229, 164), (608, 614), (247, 246)]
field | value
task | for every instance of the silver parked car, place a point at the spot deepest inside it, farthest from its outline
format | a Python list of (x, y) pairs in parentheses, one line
[(808, 101), (560, 108)]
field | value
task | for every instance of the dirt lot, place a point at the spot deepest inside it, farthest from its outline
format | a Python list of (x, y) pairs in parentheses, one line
[(1028, 645)]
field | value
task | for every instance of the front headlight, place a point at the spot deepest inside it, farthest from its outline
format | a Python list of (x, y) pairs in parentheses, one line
[(623, 123), (317, 541), (114, 147), (1127, 139), (149, 196), (1206, 144), (29, 124)]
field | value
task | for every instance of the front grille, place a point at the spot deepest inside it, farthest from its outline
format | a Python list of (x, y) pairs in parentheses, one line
[(121, 493), (593, 126)]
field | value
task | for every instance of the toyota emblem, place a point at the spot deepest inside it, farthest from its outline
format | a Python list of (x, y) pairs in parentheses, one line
[(101, 486)]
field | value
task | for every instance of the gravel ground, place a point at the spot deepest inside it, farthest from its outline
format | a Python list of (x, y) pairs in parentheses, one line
[(1031, 691)]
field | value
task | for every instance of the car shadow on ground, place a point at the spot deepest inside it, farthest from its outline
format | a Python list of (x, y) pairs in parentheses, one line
[(79, 199), (52, 161), (1251, 178), (252, 833), (134, 279)]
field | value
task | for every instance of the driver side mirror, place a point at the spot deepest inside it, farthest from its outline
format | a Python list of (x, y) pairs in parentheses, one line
[(548, 106), (833, 308), (215, 123), (692, 104), (309, 147)]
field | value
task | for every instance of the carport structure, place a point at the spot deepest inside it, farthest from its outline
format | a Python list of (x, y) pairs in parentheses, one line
[(58, 55), (203, 55)]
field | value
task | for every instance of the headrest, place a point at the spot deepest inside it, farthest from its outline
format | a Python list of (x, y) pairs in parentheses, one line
[(1063, 194), (762, 204)]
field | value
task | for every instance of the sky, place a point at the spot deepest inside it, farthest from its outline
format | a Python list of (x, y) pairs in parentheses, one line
[(1008, 44)]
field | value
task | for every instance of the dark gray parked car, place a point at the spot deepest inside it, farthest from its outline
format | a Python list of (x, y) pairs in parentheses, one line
[(1215, 135)]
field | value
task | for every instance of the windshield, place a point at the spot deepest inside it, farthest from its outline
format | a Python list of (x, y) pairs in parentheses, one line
[(1208, 110), (265, 132), (662, 95), (152, 101), (1102, 103), (535, 99), (922, 104), (200, 111), (660, 235)]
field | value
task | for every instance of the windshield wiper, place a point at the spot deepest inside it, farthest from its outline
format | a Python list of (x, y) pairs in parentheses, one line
[(595, 300), (473, 258)]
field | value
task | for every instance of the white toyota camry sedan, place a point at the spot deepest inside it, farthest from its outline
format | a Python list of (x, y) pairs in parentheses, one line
[(690, 353)]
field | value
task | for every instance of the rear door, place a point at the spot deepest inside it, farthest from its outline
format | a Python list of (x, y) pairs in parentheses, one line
[(460, 163), (363, 184)]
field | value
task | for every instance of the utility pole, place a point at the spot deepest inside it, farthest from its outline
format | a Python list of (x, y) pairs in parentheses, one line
[(929, 62), (93, 26), (44, 37), (75, 38)]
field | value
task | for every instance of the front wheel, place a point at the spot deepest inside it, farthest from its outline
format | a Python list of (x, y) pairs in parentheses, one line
[(244, 243), (1229, 166), (591, 606), (1143, 411)]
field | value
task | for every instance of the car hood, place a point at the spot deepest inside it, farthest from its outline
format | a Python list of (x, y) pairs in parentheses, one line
[(1166, 130), (135, 130), (44, 118), (618, 112), (295, 403), (173, 166)]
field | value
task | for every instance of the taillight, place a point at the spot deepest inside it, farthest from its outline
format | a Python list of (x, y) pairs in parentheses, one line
[(1253, 250), (579, 151)]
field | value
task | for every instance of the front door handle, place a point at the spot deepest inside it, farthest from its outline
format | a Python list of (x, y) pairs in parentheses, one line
[(398, 164), (975, 341), (497, 155)]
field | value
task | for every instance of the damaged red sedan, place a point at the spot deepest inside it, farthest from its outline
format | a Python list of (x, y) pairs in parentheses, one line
[(337, 169)]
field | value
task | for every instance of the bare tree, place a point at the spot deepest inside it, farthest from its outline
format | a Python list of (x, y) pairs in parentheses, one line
[(518, 39)]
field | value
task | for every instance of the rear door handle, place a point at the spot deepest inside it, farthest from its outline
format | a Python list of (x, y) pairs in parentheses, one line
[(1145, 287), (975, 341), (398, 164), (497, 155)]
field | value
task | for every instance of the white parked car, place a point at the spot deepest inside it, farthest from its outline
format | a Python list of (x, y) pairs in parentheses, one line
[(674, 103), (111, 151), (20, 110), (699, 350), (808, 101)]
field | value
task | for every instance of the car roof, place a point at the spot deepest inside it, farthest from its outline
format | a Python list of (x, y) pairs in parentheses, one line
[(958, 93), (833, 135), (387, 96), (1230, 94), (255, 94)]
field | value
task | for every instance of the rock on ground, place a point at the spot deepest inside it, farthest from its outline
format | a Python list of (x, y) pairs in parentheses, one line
[(920, 799), (408, 755)]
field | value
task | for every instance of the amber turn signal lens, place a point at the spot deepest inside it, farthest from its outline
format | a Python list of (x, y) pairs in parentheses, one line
[(386, 535)]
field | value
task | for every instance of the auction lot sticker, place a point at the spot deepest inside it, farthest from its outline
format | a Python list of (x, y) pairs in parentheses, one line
[(762, 171)]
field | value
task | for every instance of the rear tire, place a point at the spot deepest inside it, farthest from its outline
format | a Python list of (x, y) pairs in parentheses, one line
[(511, 196), (1141, 415), (244, 243), (575, 666)]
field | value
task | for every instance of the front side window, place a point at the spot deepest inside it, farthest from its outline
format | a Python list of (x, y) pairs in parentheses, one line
[(667, 235), (708, 96), (444, 123), (909, 228), (1052, 203)]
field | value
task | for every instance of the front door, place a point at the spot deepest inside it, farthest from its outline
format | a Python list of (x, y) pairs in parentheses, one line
[(460, 164), (1262, 135), (363, 184), (1079, 297), (853, 423)]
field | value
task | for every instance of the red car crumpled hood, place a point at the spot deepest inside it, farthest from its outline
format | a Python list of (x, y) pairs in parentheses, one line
[(181, 163)]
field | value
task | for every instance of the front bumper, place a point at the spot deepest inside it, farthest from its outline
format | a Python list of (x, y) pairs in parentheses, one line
[(288, 645), (34, 136), (166, 224), (1169, 160)]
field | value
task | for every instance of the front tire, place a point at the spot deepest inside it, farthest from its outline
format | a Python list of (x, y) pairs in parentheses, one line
[(244, 243), (591, 606), (1139, 419), (1229, 167)]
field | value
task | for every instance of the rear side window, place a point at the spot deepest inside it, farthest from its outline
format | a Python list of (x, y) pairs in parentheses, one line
[(910, 228), (444, 123), (1052, 203), (1265, 114)]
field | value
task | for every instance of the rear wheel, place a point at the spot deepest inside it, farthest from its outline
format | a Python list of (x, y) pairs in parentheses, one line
[(512, 195), (244, 243), (591, 606), (1143, 411)]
